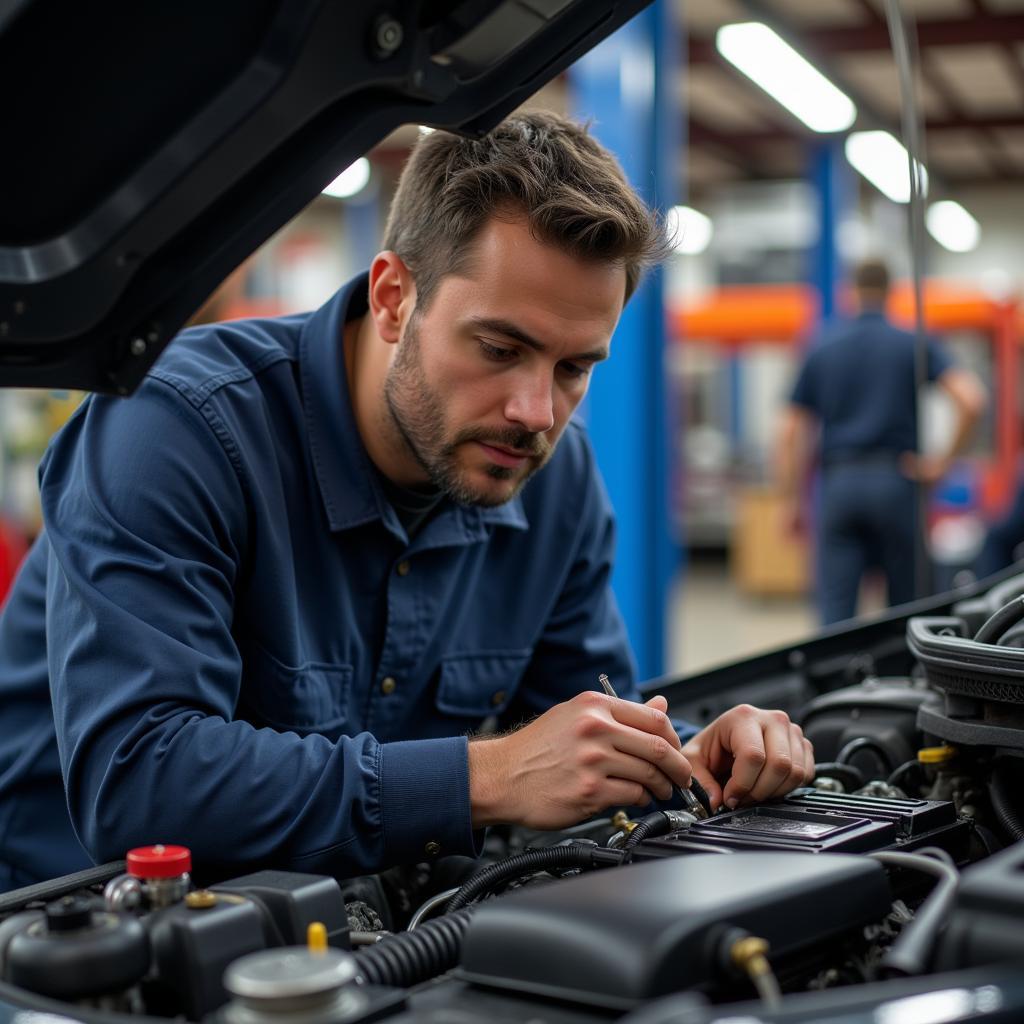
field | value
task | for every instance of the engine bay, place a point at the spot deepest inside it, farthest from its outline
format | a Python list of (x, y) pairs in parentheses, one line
[(891, 889)]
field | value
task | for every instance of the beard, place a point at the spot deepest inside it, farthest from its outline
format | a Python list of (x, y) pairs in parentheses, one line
[(417, 414)]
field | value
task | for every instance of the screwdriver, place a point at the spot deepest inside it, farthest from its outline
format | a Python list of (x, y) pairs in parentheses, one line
[(696, 807)]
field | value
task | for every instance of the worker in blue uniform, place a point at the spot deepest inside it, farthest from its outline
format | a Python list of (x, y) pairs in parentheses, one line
[(282, 587), (1004, 539), (857, 390)]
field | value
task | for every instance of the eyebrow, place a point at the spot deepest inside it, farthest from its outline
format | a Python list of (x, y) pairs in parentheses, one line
[(510, 330)]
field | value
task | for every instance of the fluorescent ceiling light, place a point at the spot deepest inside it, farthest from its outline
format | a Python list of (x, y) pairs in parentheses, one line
[(688, 230), (952, 226), (351, 180), (883, 161), (766, 58)]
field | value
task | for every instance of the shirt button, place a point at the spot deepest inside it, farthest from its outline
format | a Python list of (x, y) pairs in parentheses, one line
[(432, 848), (498, 698), (403, 568), (387, 685)]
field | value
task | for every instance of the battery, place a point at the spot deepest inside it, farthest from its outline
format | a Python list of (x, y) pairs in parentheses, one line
[(814, 822)]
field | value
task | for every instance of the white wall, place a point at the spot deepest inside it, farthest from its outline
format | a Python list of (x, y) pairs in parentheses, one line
[(998, 262)]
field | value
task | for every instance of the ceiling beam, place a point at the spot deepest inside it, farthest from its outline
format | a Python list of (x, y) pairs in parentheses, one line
[(979, 28), (735, 149), (744, 139)]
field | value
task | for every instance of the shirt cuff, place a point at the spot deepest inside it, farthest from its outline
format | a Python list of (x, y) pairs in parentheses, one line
[(424, 795)]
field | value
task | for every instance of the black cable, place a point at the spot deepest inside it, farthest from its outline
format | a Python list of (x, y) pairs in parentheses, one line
[(906, 768), (701, 794), (848, 774), (406, 959), (569, 856), (866, 743), (1003, 784), (655, 824), (998, 623)]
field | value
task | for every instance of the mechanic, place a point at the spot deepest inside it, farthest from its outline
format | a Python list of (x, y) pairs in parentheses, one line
[(857, 384), (281, 587)]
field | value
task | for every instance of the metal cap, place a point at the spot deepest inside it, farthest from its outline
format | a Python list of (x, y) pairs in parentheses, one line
[(289, 973)]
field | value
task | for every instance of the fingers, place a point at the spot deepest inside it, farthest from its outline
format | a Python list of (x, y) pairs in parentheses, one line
[(621, 793), (651, 760), (771, 757), (646, 717), (636, 769), (809, 759)]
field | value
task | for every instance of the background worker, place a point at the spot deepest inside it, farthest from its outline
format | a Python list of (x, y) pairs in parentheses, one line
[(856, 392), (280, 585)]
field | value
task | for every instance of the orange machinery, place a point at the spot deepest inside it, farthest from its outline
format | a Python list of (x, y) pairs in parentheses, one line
[(737, 316)]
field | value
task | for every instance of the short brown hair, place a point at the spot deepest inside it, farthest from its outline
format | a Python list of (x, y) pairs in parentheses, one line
[(539, 165), (872, 276)]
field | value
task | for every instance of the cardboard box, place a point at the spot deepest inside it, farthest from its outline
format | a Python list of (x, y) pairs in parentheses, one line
[(767, 558)]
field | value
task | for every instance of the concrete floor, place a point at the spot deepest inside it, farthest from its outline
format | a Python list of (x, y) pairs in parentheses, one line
[(712, 622)]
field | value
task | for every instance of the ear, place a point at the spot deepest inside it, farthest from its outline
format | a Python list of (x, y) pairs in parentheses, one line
[(392, 295)]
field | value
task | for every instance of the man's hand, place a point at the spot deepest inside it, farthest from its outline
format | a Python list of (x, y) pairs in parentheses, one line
[(575, 760), (793, 519), (755, 754), (924, 469)]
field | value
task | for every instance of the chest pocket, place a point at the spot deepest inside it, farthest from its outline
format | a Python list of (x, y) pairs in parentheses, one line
[(309, 698), (480, 684)]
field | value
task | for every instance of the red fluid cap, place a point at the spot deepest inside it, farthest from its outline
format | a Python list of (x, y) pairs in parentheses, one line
[(159, 861)]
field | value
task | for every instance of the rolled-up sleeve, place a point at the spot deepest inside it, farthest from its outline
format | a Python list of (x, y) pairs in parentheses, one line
[(148, 516)]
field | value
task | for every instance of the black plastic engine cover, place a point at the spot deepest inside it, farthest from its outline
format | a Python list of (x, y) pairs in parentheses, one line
[(191, 950), (986, 924), (809, 821), (614, 938), (293, 902)]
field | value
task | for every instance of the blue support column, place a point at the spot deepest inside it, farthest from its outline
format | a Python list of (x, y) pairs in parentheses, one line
[(829, 173), (734, 379), (626, 88)]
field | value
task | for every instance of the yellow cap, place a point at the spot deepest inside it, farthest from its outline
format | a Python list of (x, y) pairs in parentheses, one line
[(936, 755), (316, 937)]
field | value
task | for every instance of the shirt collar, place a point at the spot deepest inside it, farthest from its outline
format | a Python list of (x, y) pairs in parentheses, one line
[(348, 484)]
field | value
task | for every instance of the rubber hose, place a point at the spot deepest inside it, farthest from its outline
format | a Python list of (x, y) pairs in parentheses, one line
[(910, 953), (408, 958), (896, 778), (848, 774), (866, 743), (1003, 784), (515, 867), (996, 625), (655, 824)]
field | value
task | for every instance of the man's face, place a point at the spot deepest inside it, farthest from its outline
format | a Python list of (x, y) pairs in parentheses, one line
[(485, 379)]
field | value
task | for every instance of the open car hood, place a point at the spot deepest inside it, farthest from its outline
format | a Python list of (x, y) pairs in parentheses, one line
[(150, 147)]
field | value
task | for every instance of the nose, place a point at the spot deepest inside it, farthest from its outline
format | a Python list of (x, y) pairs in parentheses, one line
[(531, 405)]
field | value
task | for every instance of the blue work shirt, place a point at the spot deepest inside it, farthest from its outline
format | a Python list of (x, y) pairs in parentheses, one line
[(859, 381), (244, 652)]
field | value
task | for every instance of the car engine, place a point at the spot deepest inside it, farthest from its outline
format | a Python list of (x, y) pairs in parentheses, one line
[(892, 889)]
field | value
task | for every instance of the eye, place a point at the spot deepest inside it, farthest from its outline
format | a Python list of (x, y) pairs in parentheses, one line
[(496, 353), (576, 371)]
